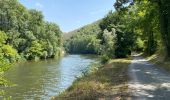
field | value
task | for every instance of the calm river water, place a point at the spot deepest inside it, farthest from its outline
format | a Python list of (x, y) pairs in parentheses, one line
[(41, 80)]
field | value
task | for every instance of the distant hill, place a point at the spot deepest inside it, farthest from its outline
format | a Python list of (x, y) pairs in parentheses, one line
[(87, 29)]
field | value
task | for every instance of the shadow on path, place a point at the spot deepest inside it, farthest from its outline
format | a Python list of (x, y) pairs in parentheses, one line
[(148, 81)]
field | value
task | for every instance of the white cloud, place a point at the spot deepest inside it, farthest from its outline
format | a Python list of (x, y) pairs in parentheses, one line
[(39, 5)]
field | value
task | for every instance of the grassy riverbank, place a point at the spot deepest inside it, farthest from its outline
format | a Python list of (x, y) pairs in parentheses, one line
[(109, 81)]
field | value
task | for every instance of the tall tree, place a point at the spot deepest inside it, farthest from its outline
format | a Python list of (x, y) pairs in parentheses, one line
[(164, 17)]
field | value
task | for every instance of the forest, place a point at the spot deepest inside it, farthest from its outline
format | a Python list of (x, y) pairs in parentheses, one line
[(140, 26), (25, 35)]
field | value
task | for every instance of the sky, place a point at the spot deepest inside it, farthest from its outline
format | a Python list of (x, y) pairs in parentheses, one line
[(71, 14)]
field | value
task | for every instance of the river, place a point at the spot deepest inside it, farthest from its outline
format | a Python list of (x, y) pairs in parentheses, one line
[(43, 79)]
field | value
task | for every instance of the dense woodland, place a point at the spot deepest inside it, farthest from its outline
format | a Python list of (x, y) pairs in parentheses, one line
[(139, 25), (25, 35), (83, 40)]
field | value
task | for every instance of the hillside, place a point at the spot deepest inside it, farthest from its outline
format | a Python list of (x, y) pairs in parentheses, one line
[(87, 29)]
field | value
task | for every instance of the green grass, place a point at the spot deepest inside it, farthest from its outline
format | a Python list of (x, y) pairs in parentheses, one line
[(160, 58), (108, 82)]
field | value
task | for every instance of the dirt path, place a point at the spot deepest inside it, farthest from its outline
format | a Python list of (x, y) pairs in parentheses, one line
[(148, 81)]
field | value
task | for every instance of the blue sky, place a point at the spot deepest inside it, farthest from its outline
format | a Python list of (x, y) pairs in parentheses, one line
[(71, 14)]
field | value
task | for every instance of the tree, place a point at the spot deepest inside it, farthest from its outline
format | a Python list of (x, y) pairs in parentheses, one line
[(109, 38), (35, 50), (84, 40), (124, 35), (164, 17), (9, 53), (23, 28), (3, 38)]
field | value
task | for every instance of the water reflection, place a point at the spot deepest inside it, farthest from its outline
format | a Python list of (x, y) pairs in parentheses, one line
[(41, 80)]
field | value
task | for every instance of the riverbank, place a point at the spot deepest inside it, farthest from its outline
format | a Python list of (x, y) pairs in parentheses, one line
[(110, 81), (54, 75)]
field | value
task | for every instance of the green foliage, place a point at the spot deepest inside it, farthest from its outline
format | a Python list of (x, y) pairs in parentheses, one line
[(104, 58), (34, 51), (85, 44), (88, 29), (154, 16), (26, 34), (84, 40), (123, 39), (9, 53), (134, 26), (111, 40), (108, 44), (3, 38), (139, 45), (124, 44)]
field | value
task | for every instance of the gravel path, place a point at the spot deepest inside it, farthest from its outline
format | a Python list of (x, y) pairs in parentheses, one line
[(148, 81)]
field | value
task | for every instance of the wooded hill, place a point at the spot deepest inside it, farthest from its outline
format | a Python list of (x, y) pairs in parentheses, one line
[(141, 26), (87, 29)]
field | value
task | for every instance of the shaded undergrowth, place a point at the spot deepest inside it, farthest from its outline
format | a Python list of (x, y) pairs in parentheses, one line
[(160, 60)]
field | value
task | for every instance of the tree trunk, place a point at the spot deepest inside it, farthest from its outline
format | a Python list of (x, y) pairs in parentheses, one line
[(150, 44), (165, 24)]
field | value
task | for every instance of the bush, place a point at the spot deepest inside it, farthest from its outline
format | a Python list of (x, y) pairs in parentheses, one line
[(104, 59)]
